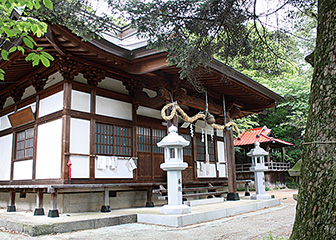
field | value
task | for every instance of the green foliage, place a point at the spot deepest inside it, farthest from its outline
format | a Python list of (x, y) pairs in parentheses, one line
[(188, 29), (76, 15), (25, 27), (292, 184), (271, 237)]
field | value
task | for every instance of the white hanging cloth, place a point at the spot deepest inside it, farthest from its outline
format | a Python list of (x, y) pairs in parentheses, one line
[(101, 162), (131, 165)]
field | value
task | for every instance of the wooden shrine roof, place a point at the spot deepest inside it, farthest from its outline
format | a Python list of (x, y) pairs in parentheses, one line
[(242, 94)]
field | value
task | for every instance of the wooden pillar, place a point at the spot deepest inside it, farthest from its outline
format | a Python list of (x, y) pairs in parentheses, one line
[(231, 165), (269, 153), (106, 207), (53, 211), (149, 202), (11, 204), (39, 204)]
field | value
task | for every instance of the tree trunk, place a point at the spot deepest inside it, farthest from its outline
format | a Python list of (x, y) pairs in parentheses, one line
[(316, 209)]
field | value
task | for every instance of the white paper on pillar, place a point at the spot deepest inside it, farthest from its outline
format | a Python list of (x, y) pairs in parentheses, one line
[(80, 167), (79, 136), (49, 150), (220, 151), (211, 171), (80, 101), (113, 108), (5, 156), (51, 104), (221, 168), (23, 170), (121, 171)]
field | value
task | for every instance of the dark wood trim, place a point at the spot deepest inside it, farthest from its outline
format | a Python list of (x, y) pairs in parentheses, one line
[(78, 86), (13, 156), (6, 132), (92, 148), (58, 87), (113, 95), (50, 117)]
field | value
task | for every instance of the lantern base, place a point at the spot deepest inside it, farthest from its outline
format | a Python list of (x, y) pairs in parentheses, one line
[(233, 197), (175, 209), (260, 197)]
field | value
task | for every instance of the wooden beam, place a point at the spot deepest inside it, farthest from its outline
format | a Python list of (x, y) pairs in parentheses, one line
[(148, 64), (54, 42)]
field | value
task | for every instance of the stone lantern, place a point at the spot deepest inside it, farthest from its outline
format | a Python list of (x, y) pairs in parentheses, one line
[(258, 167), (173, 155)]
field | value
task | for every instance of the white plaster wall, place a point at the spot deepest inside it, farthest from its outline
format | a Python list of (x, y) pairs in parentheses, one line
[(220, 151), (149, 112), (150, 93), (80, 144), (222, 170), (80, 167), (4, 122), (5, 156), (29, 91), (49, 150), (113, 84), (53, 79), (9, 101), (23, 170), (203, 174), (79, 136), (121, 170), (51, 104), (113, 108), (219, 133), (80, 78), (33, 107), (80, 101)]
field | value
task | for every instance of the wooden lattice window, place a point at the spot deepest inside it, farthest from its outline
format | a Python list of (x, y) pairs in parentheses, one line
[(25, 144), (187, 151), (200, 149), (157, 137), (123, 141), (113, 140), (144, 143)]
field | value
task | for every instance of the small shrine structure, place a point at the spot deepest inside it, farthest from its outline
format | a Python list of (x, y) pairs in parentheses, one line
[(277, 171)]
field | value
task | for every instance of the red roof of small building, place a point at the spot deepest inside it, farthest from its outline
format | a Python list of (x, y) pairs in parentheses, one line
[(261, 135)]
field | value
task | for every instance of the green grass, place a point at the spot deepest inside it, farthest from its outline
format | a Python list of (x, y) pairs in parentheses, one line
[(271, 237)]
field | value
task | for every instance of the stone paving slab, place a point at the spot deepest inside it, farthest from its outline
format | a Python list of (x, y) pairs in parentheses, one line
[(25, 222)]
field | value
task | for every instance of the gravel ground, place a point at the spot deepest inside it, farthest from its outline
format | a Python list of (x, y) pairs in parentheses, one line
[(253, 225)]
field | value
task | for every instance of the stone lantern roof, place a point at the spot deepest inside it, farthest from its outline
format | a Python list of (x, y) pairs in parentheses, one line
[(173, 139), (257, 151)]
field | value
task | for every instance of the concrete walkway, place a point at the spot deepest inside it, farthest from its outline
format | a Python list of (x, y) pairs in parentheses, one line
[(245, 224)]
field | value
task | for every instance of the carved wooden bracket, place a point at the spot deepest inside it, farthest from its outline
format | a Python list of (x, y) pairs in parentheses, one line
[(133, 87), (69, 68), (94, 75), (38, 82), (16, 93)]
